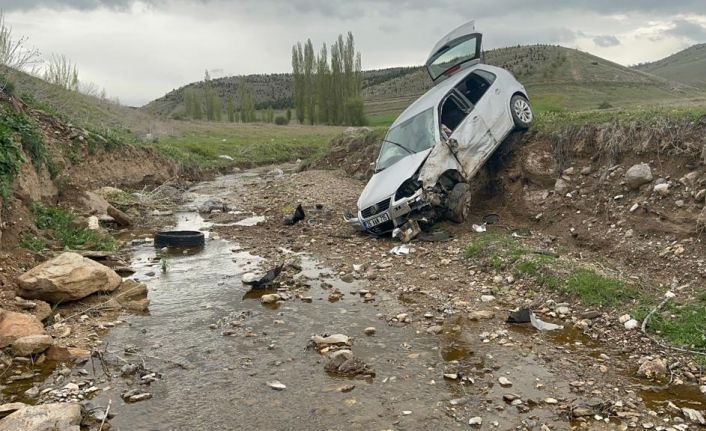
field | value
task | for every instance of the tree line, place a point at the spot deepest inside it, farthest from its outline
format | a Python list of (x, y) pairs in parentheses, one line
[(204, 103), (328, 91)]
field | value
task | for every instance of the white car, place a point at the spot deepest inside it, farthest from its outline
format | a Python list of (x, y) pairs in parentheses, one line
[(438, 144)]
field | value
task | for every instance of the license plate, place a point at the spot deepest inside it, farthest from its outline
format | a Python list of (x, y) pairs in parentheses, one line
[(382, 218)]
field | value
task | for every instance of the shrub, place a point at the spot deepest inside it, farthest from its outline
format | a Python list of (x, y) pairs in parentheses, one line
[(281, 121)]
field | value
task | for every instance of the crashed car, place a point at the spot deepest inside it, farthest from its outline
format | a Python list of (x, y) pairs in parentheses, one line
[(434, 149)]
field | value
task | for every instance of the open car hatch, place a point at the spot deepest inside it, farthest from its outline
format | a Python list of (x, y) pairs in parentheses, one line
[(457, 50)]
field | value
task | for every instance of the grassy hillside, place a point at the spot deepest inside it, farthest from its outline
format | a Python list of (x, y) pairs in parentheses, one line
[(557, 79), (82, 110), (687, 66)]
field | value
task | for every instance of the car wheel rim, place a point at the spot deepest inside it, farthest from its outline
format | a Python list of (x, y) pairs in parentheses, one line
[(523, 110)]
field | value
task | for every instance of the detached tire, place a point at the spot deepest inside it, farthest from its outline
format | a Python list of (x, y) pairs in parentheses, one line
[(521, 110), (457, 203), (179, 239)]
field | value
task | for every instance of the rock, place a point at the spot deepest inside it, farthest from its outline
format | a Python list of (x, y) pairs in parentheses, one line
[(586, 170), (17, 325), (68, 277), (487, 298), (653, 369), (700, 196), (331, 340), (348, 278), (94, 203), (31, 345), (551, 400), (6, 409), (120, 217), (370, 331), (476, 421), (638, 175), (631, 324), (276, 385), (139, 397), (561, 187), (693, 416), (436, 329), (661, 189), (538, 167), (343, 362), (701, 220), (481, 315), (45, 417), (65, 354), (270, 299), (563, 310), (132, 295), (504, 382), (213, 204), (624, 318)]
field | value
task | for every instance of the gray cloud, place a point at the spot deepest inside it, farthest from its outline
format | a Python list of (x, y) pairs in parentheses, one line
[(606, 40), (689, 30)]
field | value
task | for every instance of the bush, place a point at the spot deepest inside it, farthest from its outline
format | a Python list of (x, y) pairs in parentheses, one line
[(281, 121), (355, 111), (7, 85), (605, 105), (60, 224), (10, 161)]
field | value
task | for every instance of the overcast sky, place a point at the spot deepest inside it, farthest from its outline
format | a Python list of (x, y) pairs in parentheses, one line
[(139, 50)]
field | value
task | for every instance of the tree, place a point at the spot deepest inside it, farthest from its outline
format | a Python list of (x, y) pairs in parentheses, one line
[(247, 108), (299, 83), (323, 78), (270, 115), (62, 72), (15, 53), (230, 109), (289, 115), (309, 87)]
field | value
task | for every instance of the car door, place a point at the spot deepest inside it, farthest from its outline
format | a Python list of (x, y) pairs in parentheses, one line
[(459, 49), (496, 112)]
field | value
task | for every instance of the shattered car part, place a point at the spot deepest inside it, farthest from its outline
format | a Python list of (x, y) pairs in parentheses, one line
[(400, 250), (525, 315), (408, 231), (479, 228), (434, 149)]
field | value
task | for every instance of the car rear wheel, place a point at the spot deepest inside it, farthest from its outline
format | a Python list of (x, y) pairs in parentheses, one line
[(457, 202), (521, 112)]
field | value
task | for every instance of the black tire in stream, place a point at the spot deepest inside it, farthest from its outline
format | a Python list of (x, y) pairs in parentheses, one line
[(179, 239)]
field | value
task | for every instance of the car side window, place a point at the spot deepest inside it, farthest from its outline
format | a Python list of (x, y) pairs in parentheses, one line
[(475, 85), (453, 111)]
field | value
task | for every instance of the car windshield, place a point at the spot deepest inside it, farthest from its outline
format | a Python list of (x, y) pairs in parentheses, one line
[(412, 136), (453, 56)]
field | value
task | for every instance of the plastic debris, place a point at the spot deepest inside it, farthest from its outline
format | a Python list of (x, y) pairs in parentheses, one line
[(479, 228), (256, 282), (296, 217), (400, 250), (525, 315)]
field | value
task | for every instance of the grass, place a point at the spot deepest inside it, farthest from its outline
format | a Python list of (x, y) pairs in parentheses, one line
[(382, 119), (202, 145), (682, 323), (502, 252), (32, 242), (61, 226)]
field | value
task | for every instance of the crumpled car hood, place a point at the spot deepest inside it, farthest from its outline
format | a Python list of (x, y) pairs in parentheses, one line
[(385, 184)]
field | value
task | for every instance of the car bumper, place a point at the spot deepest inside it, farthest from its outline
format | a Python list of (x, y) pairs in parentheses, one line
[(397, 214)]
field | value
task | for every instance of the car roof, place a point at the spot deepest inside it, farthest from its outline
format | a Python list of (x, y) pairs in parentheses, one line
[(431, 98)]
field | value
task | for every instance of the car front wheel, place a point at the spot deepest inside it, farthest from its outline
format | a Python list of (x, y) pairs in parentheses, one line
[(521, 112), (457, 202)]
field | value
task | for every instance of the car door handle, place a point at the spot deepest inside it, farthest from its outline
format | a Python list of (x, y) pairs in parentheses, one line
[(476, 118), (497, 91)]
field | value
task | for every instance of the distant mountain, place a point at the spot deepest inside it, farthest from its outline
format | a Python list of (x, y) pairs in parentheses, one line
[(556, 77), (687, 66)]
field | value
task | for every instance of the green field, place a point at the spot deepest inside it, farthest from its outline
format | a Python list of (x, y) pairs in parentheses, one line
[(202, 144)]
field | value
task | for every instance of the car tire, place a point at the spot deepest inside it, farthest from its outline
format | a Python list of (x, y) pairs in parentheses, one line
[(521, 111), (457, 203), (179, 239)]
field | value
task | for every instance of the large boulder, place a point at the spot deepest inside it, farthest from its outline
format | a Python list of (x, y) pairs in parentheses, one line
[(17, 325), (68, 277), (46, 417), (638, 175), (31, 345)]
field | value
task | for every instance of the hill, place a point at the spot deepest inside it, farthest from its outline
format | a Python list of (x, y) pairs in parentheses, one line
[(687, 66), (557, 78), (80, 109)]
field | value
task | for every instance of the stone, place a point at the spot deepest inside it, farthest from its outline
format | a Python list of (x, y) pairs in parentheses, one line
[(370, 331), (331, 340), (17, 325), (563, 310), (551, 400), (638, 175), (561, 187), (435, 329), (66, 354), (701, 220), (624, 318), (653, 369), (631, 324), (481, 315), (700, 196), (277, 385), (661, 189), (475, 421), (586, 170), (45, 417), (487, 298), (6, 409), (139, 397), (68, 277), (693, 416), (270, 299), (132, 295), (31, 345), (504, 382)]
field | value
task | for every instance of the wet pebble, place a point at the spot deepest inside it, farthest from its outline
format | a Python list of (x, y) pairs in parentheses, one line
[(370, 331), (476, 421), (276, 385), (504, 381)]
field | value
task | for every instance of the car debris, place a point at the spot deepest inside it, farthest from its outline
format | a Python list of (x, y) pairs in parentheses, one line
[(479, 228), (433, 150), (407, 232), (295, 218), (261, 282), (525, 315), (400, 250)]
